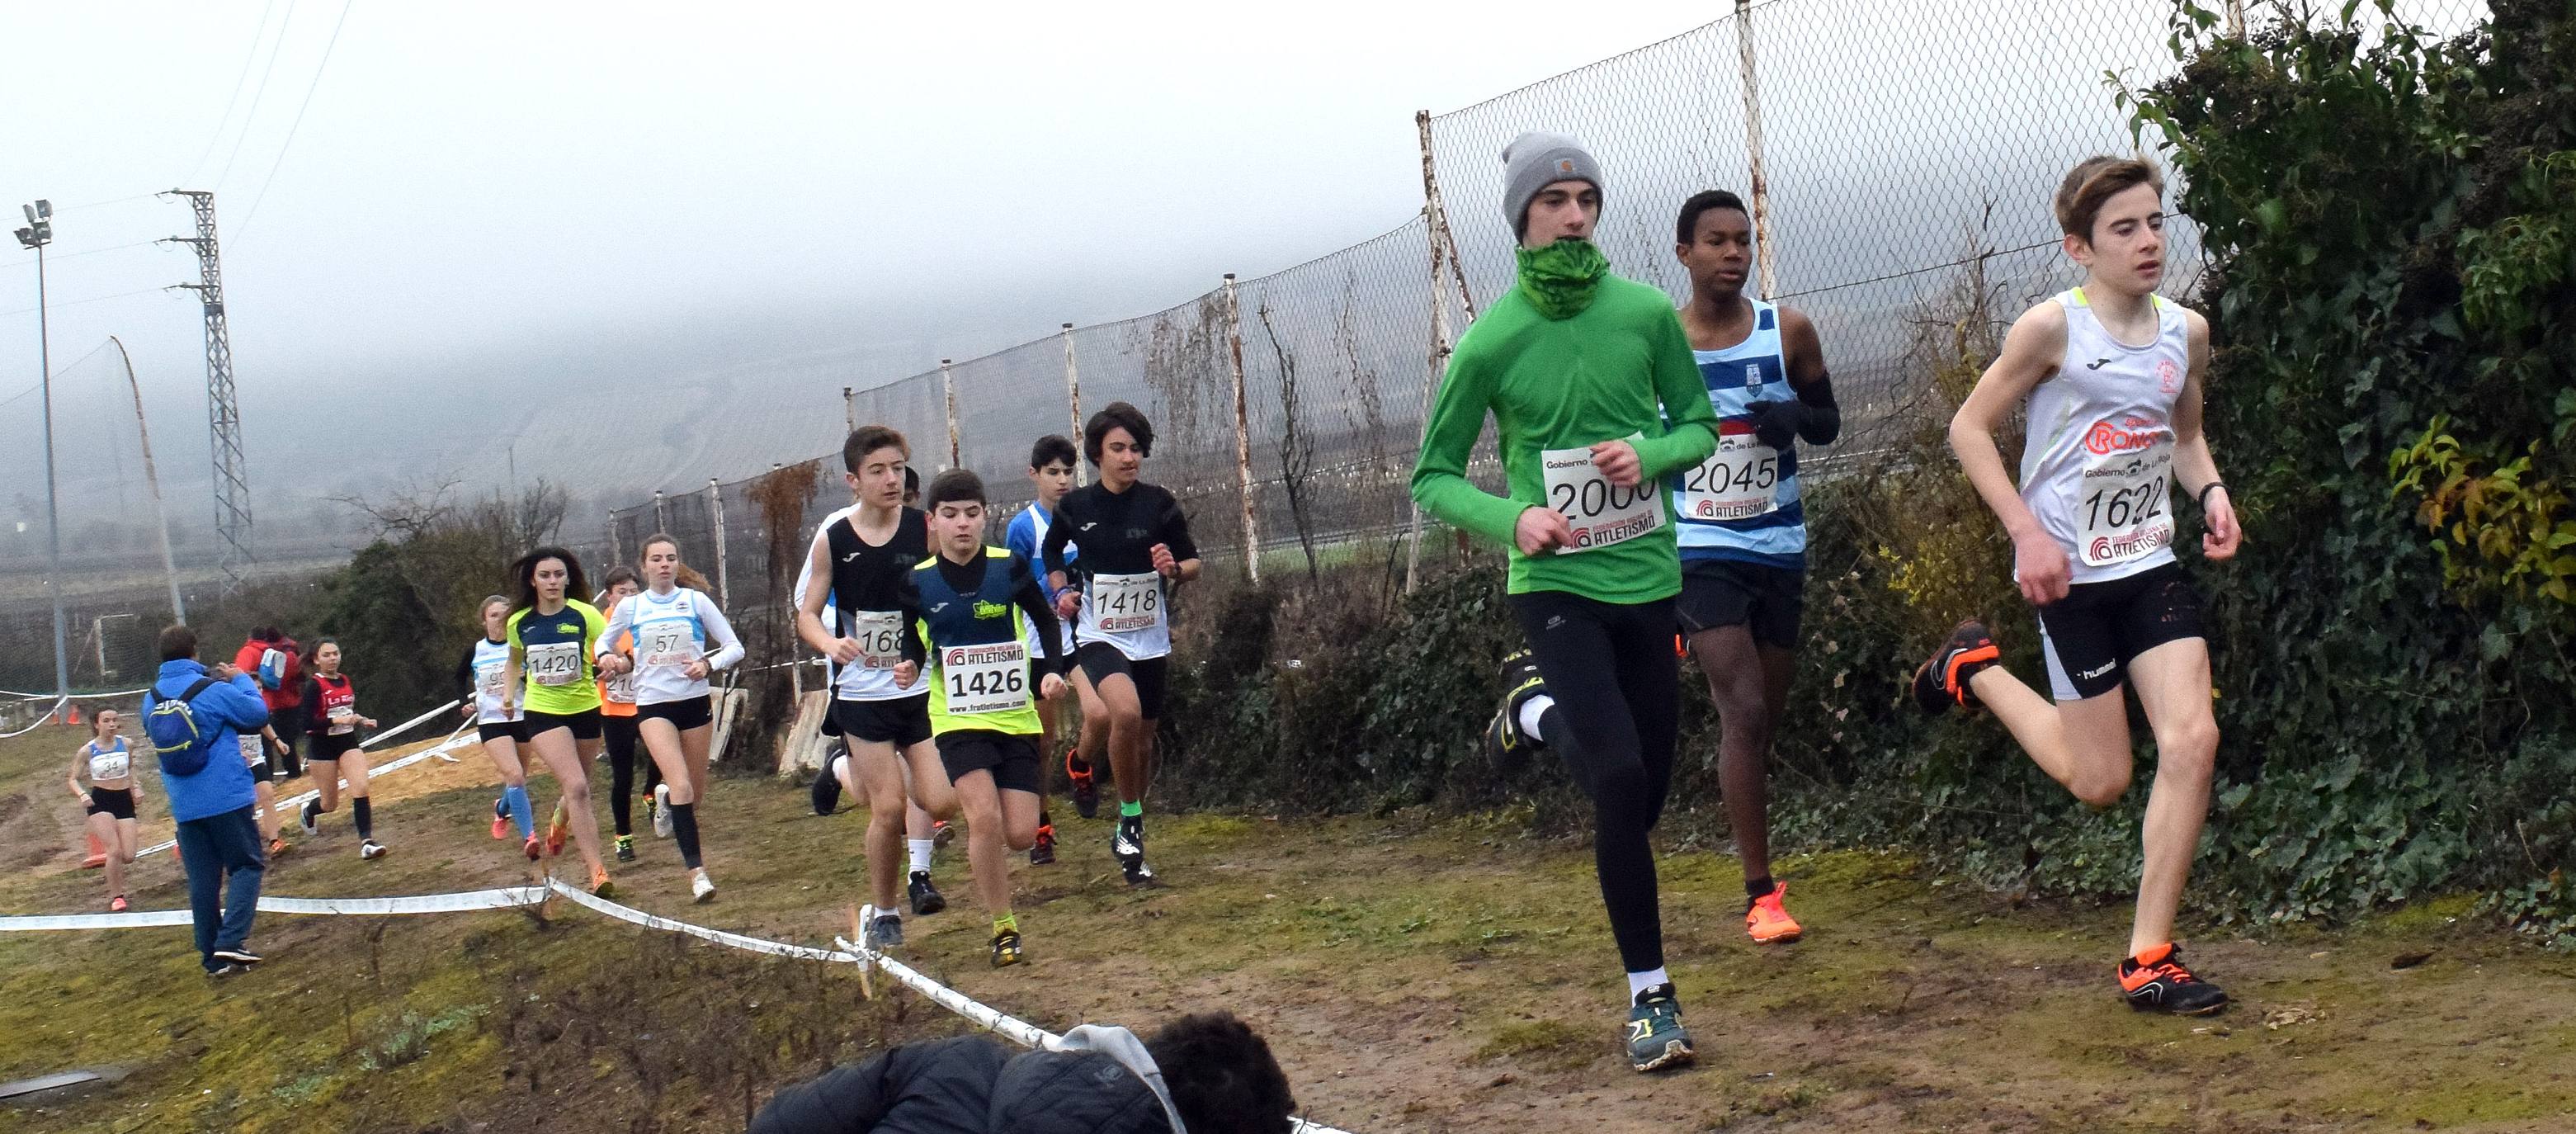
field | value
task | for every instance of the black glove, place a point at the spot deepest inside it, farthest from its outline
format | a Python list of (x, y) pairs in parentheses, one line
[(1776, 423)]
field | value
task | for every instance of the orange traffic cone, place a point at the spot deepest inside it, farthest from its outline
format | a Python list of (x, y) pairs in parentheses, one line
[(97, 854), (71, 716)]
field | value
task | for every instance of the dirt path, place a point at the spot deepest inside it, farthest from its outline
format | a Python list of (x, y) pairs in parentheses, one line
[(1413, 976)]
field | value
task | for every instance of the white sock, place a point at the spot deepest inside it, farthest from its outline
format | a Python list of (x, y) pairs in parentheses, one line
[(1530, 710), (920, 854), (1640, 982)]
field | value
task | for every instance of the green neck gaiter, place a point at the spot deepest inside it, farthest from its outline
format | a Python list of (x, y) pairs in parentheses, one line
[(1561, 278)]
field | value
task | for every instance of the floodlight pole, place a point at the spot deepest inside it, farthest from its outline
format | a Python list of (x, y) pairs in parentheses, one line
[(38, 233)]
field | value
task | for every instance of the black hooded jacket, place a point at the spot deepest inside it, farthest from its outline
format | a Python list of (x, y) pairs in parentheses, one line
[(969, 1085)]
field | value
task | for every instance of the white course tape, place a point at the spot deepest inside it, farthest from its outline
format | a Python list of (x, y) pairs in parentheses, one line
[(416, 904), (407, 726), (74, 696), (40, 722), (440, 750), (720, 937)]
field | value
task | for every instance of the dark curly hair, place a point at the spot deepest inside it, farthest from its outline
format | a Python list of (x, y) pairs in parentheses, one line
[(1117, 415), (1222, 1076)]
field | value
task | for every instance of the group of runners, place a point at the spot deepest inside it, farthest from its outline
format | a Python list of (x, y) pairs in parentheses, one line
[(1653, 496), (1653, 511)]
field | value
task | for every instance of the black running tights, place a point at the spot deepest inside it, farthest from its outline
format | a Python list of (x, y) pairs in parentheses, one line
[(1617, 687)]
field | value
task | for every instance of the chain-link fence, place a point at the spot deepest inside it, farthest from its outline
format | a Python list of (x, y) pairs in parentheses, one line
[(1902, 149)]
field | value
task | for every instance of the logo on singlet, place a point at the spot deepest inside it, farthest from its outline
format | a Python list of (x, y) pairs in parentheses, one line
[(2097, 364), (851, 556), (2133, 433), (2168, 377)]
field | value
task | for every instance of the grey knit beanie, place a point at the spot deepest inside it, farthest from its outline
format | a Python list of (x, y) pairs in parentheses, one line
[(1536, 160)]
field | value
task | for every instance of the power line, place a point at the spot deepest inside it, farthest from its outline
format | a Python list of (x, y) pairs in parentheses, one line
[(93, 299), (96, 251), (257, 93), (298, 124), (243, 80)]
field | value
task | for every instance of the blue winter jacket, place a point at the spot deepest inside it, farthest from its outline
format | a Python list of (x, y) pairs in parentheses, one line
[(230, 708)]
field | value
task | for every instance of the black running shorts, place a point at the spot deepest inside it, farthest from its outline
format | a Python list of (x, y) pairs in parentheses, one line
[(502, 730), (584, 724), (694, 712), (119, 802), (1013, 760), (327, 749), (1100, 659), (902, 722), (1724, 592), (2090, 636)]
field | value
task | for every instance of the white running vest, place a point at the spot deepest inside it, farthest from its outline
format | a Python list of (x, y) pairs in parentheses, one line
[(490, 660), (2097, 469)]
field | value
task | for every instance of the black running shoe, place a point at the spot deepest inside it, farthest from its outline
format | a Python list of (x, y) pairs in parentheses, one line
[(884, 931), (827, 784), (237, 956), (2164, 985), (926, 898), (1042, 852), (1656, 1038), (1942, 681), (227, 970), (1006, 948), (305, 818), (1128, 846), (1508, 745), (1086, 790)]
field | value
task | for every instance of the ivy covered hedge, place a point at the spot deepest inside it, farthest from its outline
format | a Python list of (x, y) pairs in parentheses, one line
[(2393, 220)]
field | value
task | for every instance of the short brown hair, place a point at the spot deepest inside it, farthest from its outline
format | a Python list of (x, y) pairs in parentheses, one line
[(2095, 180), (867, 439), (178, 643)]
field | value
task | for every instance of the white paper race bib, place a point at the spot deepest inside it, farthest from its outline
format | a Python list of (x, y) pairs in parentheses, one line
[(344, 719), (254, 751), (114, 765), (1602, 514), (667, 643), (879, 634), (1738, 482), (992, 678), (487, 680), (2125, 511), (554, 663), (1122, 604)]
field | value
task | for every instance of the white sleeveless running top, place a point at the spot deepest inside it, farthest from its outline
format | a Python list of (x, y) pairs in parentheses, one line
[(2097, 469), (109, 763)]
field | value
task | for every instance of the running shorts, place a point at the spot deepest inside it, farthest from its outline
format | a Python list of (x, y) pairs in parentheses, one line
[(584, 724), (119, 802), (1100, 659), (684, 714), (1013, 760), (902, 721), (2090, 636), (328, 748), (503, 730), (1724, 592)]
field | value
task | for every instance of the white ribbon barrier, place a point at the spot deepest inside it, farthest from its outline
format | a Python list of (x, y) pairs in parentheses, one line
[(415, 904), (41, 721), (455, 740), (720, 937), (72, 696), (408, 725)]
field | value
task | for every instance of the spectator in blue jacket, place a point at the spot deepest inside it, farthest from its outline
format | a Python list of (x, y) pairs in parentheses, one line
[(217, 833)]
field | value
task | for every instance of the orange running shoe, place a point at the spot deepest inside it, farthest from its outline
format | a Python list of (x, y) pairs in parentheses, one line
[(1943, 679), (1768, 922), (2156, 981), (556, 833), (600, 886)]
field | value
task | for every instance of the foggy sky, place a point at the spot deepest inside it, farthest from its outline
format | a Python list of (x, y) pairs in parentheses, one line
[(494, 212)]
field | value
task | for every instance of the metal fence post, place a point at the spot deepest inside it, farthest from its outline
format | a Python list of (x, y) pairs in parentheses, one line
[(715, 510), (616, 553), (1073, 400), (661, 514), (849, 409), (2236, 19), (1762, 259), (1242, 434), (1436, 232), (948, 381)]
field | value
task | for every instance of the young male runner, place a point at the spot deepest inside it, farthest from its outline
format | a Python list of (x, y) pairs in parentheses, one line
[(885, 721), (1134, 546), (970, 612), (1051, 475), (1743, 530), (923, 836), (2111, 376), (1572, 364)]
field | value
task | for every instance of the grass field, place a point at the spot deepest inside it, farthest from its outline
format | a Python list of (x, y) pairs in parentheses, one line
[(1414, 974)]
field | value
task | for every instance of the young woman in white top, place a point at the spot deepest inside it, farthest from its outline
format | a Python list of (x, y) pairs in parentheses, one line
[(679, 639), (109, 800)]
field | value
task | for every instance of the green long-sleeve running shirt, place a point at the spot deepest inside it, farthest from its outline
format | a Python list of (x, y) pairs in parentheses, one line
[(1610, 372)]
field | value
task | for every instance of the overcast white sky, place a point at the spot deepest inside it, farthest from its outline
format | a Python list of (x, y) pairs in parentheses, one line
[(531, 186)]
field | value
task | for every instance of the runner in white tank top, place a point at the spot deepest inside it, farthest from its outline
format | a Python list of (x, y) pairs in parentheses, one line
[(2112, 376)]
